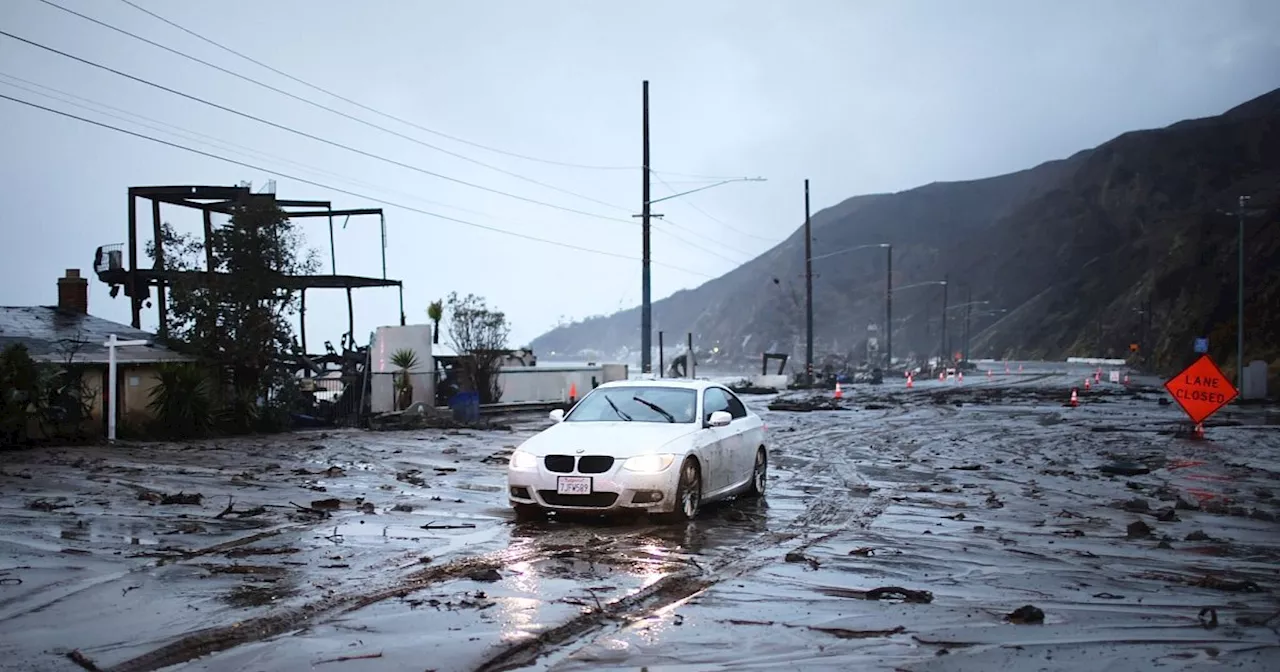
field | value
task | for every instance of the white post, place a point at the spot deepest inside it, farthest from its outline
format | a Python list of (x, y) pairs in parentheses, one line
[(111, 387), (111, 345)]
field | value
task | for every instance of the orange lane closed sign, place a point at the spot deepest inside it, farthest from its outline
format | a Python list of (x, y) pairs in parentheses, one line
[(1201, 389)]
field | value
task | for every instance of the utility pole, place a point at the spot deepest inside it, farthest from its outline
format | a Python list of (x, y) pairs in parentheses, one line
[(968, 309), (888, 310), (808, 289), (1240, 296), (942, 357), (646, 310)]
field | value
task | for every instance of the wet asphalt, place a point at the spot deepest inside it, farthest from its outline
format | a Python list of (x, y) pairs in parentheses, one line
[(980, 525)]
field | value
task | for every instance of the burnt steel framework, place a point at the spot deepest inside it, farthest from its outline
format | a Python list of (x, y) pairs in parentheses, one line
[(137, 282)]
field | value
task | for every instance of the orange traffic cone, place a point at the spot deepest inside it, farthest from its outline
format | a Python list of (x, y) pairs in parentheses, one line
[(1075, 399), (839, 392), (911, 381), (960, 376), (573, 393), (1097, 376), (1086, 384), (1126, 380)]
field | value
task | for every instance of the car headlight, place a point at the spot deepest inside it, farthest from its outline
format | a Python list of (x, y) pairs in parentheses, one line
[(523, 461), (649, 464)]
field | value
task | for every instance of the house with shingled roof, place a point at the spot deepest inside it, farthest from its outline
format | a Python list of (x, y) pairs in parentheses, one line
[(67, 335)]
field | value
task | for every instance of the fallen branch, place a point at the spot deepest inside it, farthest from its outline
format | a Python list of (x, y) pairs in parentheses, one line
[(343, 659), (846, 633), (80, 659), (310, 510), (446, 526), (229, 510)]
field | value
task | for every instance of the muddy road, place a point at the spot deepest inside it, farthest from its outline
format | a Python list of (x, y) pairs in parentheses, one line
[(960, 526)]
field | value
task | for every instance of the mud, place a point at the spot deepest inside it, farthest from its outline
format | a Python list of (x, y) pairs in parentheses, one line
[(978, 525)]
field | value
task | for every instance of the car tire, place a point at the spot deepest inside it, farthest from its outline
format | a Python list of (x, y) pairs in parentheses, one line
[(688, 494), (527, 513), (759, 474)]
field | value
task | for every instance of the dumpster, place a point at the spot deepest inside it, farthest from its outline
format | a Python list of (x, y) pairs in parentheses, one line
[(465, 406)]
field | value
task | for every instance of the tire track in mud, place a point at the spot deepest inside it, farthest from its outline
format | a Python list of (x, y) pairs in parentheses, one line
[(835, 515), (75, 587), (822, 513), (221, 638)]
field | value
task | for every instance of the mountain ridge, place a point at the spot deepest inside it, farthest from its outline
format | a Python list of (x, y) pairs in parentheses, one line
[(1070, 248)]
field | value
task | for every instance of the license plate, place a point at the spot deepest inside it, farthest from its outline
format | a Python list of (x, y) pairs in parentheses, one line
[(573, 485)]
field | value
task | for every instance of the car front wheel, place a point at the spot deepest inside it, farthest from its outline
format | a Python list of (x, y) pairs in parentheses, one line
[(688, 493)]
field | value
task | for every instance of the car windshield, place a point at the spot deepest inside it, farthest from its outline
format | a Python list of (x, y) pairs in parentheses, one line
[(636, 404)]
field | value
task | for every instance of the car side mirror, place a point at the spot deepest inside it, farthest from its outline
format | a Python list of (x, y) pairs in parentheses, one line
[(557, 415), (719, 419)]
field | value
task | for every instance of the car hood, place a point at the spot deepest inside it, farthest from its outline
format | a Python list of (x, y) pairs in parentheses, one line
[(619, 439)]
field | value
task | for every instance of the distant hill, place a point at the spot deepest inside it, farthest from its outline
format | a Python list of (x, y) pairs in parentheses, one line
[(1071, 249)]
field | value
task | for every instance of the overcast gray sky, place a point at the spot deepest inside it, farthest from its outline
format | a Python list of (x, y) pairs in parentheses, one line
[(857, 96)]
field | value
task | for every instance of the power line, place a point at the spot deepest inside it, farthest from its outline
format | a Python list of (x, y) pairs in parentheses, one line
[(708, 215), (231, 146), (155, 125), (338, 189), (694, 245), (366, 107), (329, 109), (313, 137), (743, 253)]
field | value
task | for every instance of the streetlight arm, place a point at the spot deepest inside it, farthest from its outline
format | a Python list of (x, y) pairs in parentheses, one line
[(971, 303), (921, 284), (709, 186), (852, 249)]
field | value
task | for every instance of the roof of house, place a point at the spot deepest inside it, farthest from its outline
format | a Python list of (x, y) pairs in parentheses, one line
[(53, 335)]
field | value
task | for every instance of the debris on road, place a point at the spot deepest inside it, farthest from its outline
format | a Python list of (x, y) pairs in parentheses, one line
[(1026, 615)]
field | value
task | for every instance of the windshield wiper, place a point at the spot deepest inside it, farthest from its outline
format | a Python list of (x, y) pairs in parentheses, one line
[(655, 407), (615, 408)]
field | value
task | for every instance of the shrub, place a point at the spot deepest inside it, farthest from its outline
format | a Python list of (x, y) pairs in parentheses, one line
[(181, 401)]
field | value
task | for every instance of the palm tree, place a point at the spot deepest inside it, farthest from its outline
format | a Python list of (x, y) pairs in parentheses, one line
[(404, 359), (435, 311)]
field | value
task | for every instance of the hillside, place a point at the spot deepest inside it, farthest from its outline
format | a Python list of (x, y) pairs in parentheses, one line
[(1070, 249)]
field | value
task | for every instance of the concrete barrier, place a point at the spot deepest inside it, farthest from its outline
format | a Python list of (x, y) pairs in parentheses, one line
[(532, 384)]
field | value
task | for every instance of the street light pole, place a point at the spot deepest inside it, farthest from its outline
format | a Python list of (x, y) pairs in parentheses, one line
[(942, 356), (1240, 295), (888, 289), (808, 289), (968, 310), (888, 308)]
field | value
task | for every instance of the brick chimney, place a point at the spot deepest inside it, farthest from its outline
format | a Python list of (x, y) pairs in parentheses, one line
[(73, 292)]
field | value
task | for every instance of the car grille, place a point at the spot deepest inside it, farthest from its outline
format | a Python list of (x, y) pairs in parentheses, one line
[(595, 500), (589, 464), (561, 464), (595, 464)]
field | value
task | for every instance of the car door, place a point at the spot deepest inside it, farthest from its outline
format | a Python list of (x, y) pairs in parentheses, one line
[(744, 440), (718, 446)]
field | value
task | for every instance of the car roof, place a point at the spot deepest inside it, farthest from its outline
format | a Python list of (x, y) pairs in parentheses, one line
[(677, 383)]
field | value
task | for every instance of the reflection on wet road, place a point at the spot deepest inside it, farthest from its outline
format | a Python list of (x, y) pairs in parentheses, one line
[(907, 532)]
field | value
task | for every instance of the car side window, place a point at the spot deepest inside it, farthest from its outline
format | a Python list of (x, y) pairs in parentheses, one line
[(713, 400), (736, 408)]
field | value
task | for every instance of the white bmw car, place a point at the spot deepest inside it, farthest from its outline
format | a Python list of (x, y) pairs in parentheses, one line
[(659, 446)]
